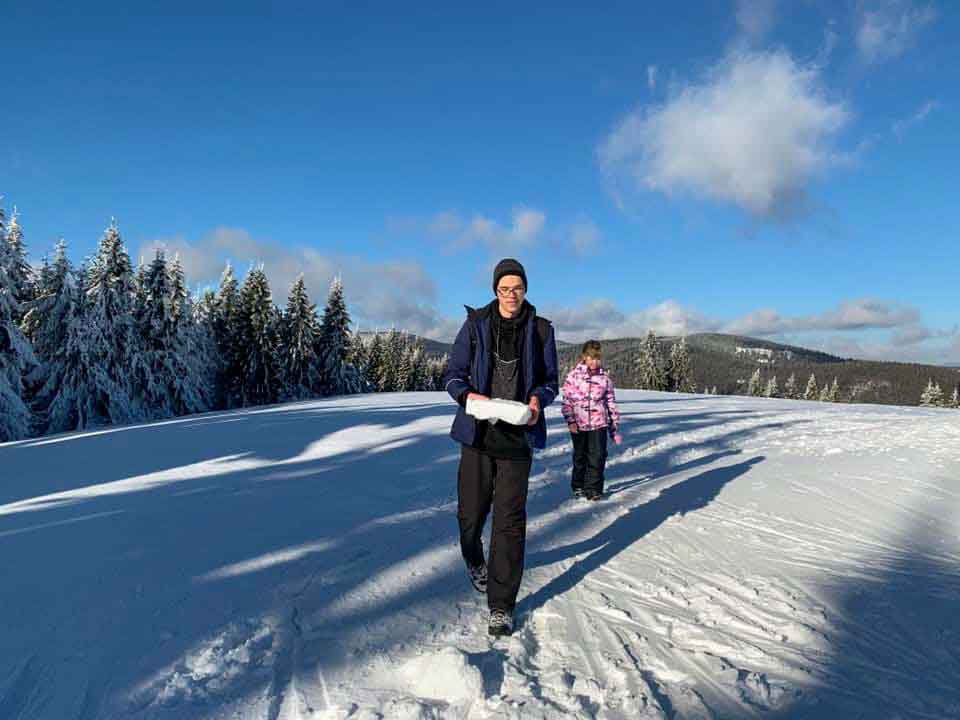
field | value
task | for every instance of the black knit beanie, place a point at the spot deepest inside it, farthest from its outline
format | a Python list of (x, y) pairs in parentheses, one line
[(508, 266)]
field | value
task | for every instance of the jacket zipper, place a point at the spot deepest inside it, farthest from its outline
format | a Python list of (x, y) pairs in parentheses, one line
[(589, 400)]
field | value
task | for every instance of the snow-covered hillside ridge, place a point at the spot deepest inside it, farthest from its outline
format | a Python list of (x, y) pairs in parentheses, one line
[(754, 558)]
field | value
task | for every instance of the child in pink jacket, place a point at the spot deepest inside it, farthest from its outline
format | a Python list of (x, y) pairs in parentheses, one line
[(590, 409)]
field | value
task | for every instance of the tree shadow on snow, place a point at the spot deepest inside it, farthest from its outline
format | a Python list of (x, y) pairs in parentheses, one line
[(279, 432), (679, 499), (893, 642)]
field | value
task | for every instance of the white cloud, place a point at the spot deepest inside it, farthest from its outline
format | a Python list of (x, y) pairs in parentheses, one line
[(849, 330), (941, 349), (909, 340), (527, 230), (755, 17), (754, 133), (524, 231), (758, 323), (862, 314), (384, 294), (600, 319), (587, 319), (910, 335), (887, 28)]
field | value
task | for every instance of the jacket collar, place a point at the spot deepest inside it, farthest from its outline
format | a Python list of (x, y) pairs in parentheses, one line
[(581, 367), (486, 311)]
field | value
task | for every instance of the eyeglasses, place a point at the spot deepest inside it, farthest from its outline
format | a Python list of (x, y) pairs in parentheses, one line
[(511, 291)]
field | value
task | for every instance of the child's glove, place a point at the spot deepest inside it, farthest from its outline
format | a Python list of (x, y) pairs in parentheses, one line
[(617, 438)]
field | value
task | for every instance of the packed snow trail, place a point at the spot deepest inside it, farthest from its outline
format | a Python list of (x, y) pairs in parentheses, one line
[(754, 558)]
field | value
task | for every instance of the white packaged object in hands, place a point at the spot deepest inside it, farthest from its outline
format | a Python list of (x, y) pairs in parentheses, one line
[(509, 411)]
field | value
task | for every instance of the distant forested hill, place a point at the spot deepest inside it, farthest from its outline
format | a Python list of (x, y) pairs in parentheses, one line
[(728, 361)]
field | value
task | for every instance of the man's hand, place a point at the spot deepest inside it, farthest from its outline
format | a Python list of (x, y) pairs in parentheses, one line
[(573, 428), (534, 405), (476, 396)]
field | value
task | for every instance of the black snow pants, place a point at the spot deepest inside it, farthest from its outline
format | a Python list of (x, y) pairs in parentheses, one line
[(589, 459), (482, 482)]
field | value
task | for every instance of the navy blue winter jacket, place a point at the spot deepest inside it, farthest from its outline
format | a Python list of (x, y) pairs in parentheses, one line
[(470, 368)]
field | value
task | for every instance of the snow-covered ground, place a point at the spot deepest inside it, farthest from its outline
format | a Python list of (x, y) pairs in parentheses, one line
[(755, 558)]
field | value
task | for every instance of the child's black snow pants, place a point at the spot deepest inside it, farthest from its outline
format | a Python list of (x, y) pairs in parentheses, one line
[(589, 460), (482, 482)]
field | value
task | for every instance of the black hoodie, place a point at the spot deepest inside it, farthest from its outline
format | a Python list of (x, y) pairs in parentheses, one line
[(502, 440)]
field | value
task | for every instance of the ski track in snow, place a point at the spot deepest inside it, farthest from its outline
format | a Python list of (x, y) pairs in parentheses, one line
[(754, 559)]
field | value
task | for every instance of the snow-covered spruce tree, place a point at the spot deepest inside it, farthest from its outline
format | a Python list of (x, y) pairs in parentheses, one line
[(755, 386), (405, 368), (955, 398), (680, 373), (375, 355), (180, 303), (713, 390), (46, 322), (117, 372), (437, 367), (19, 271), (834, 394), (192, 390), (650, 373), (932, 395), (226, 333), (34, 310), (205, 309), (358, 355), (16, 360), (790, 389), (811, 392), (205, 354), (82, 398), (420, 372), (259, 342), (337, 375), (175, 381), (301, 330), (771, 390), (390, 362), (70, 397), (155, 325), (824, 393), (139, 291)]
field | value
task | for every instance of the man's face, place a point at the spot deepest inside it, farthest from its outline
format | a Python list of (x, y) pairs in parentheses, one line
[(510, 292)]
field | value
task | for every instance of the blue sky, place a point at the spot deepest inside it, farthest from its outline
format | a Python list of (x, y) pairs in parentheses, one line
[(777, 168)]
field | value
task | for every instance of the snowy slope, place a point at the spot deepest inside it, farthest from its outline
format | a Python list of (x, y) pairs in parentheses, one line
[(756, 558)]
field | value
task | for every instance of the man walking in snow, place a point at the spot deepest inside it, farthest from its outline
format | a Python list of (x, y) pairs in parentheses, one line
[(503, 351)]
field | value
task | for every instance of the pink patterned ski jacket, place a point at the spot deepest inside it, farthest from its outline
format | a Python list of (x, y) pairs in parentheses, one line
[(589, 400)]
